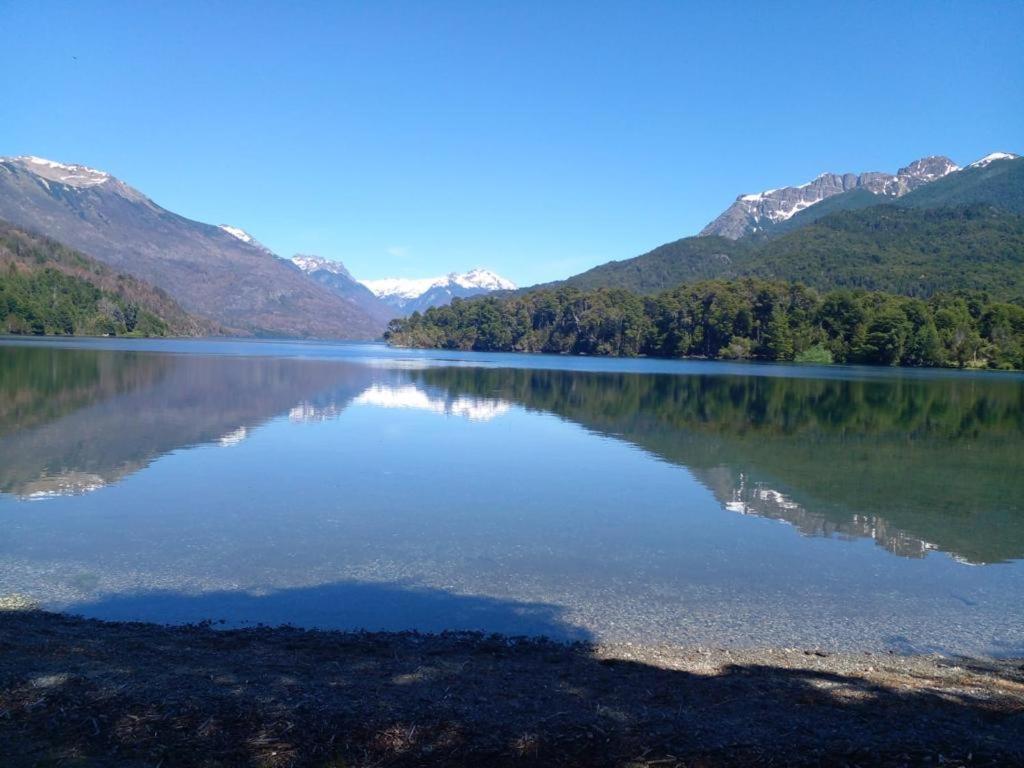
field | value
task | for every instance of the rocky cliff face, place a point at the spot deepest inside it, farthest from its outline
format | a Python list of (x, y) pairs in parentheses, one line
[(754, 213), (212, 271)]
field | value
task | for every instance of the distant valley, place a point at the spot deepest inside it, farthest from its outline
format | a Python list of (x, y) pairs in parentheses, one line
[(219, 274)]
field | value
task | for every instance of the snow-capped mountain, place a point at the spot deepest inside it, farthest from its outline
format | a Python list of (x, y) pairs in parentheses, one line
[(336, 278), (220, 273), (408, 295), (311, 264), (757, 212)]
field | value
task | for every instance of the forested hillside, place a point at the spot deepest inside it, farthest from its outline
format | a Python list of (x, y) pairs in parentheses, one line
[(910, 251), (685, 260), (47, 288), (999, 184), (901, 250), (740, 319)]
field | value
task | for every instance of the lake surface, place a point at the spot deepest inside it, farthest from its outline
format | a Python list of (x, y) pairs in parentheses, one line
[(356, 486)]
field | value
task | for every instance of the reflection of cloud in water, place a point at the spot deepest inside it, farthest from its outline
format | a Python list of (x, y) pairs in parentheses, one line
[(410, 396)]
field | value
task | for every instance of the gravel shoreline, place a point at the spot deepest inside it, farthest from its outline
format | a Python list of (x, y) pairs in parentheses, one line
[(89, 693)]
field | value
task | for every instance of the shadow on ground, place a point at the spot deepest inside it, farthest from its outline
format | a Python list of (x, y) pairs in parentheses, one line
[(348, 605), (86, 693)]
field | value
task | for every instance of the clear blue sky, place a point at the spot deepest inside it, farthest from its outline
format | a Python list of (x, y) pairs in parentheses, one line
[(534, 138)]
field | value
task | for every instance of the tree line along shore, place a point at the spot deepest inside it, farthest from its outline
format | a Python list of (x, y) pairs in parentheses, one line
[(746, 318)]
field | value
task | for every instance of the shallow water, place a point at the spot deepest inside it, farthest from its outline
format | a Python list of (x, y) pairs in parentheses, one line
[(621, 500)]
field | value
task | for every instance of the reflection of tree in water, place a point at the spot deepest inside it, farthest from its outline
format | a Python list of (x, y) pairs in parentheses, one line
[(86, 418), (914, 463)]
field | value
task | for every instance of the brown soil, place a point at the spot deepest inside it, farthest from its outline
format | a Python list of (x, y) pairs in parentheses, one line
[(86, 693)]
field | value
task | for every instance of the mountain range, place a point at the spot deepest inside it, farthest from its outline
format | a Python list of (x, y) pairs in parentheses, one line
[(963, 229), (755, 213), (210, 271), (221, 274), (395, 296), (406, 296), (931, 226)]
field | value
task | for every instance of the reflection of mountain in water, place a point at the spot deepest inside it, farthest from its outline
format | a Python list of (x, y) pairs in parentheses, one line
[(747, 498), (913, 463), (77, 420)]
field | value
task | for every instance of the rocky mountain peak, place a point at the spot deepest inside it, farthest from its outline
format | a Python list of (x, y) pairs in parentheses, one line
[(70, 176), (309, 264), (753, 213), (63, 173), (928, 169)]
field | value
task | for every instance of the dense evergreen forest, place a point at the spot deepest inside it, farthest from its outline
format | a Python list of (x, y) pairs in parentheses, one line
[(910, 251), (733, 319), (49, 289)]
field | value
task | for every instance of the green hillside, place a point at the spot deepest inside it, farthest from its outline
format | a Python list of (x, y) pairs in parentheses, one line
[(49, 289), (908, 251), (999, 184), (905, 250), (685, 260), (963, 231)]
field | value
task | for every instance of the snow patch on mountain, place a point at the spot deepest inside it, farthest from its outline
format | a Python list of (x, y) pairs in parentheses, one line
[(72, 175), (310, 264), (245, 237), (241, 234), (752, 213), (991, 158)]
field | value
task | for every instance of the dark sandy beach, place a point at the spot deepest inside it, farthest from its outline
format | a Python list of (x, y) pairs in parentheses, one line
[(87, 693)]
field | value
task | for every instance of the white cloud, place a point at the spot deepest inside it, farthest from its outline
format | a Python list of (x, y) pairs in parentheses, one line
[(398, 251)]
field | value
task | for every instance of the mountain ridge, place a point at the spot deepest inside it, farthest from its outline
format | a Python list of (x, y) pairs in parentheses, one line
[(752, 213), (210, 270), (408, 295)]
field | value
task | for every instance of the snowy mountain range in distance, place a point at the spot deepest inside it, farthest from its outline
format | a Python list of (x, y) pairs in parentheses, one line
[(408, 295)]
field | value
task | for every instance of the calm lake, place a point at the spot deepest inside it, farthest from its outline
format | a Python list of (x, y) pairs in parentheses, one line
[(356, 486)]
